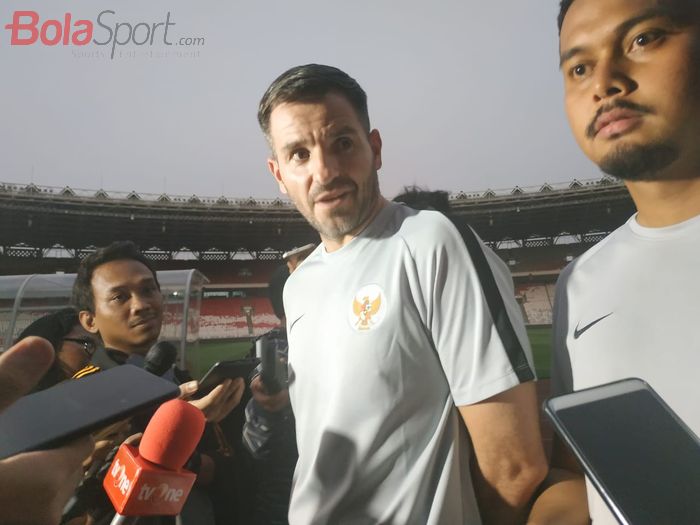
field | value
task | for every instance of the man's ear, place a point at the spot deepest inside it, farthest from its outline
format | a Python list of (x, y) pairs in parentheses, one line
[(87, 320), (274, 168), (375, 142)]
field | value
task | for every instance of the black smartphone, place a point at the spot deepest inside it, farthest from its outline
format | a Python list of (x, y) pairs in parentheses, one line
[(77, 407), (640, 456), (223, 370)]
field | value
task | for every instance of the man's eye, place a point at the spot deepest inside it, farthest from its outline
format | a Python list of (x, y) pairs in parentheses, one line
[(120, 297), (578, 71), (647, 37), (300, 155), (344, 143)]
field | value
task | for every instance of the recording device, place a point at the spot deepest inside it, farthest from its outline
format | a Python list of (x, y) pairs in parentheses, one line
[(640, 456), (223, 370), (270, 373), (149, 480), (160, 358), (72, 409)]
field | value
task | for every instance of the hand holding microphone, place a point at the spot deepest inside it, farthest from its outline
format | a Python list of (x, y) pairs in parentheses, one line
[(149, 480), (269, 387), (270, 365)]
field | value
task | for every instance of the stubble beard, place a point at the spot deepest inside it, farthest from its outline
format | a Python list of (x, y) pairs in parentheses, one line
[(637, 163), (342, 222)]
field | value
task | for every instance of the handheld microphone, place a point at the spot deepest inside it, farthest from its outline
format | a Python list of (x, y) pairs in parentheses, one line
[(149, 480), (160, 358), (269, 364)]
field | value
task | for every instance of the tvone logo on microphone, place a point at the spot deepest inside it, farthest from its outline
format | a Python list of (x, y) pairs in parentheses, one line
[(121, 480), (28, 28), (162, 491)]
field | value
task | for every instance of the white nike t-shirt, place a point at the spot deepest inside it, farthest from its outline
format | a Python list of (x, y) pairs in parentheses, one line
[(386, 337), (630, 307)]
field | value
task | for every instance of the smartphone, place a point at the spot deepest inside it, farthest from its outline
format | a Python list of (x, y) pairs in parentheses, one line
[(640, 456), (77, 407), (223, 370)]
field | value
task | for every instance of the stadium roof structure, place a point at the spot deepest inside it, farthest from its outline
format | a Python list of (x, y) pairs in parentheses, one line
[(38, 221), (575, 212)]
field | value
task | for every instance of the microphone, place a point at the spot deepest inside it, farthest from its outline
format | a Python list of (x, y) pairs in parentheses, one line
[(160, 358), (269, 365), (149, 480)]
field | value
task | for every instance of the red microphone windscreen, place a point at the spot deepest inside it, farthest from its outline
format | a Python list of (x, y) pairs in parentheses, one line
[(172, 434)]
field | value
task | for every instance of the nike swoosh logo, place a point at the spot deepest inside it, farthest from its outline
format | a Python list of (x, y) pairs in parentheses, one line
[(291, 325), (577, 332)]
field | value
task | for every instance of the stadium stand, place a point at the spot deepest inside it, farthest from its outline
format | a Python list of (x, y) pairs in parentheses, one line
[(541, 260), (536, 301), (237, 242), (235, 317)]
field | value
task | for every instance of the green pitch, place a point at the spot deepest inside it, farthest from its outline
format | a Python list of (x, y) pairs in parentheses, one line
[(541, 342), (209, 352)]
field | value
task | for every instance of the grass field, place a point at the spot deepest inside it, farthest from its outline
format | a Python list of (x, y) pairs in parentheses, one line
[(541, 342), (209, 352)]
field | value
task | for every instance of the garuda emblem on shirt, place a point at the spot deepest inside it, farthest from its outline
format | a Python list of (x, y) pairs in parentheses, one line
[(367, 308)]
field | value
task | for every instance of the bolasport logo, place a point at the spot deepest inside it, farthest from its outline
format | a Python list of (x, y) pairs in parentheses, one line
[(28, 28)]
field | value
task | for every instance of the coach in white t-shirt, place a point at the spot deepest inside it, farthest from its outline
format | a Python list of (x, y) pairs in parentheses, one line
[(629, 306), (410, 370)]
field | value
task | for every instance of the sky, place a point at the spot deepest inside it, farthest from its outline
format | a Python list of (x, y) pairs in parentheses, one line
[(466, 94)]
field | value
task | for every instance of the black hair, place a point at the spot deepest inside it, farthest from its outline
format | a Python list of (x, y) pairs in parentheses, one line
[(311, 83), (275, 289), (564, 6), (83, 298), (52, 327), (422, 199), (684, 11)]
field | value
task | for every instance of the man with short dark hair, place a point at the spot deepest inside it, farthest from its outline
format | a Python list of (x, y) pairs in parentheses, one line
[(628, 307), (408, 358), (118, 297)]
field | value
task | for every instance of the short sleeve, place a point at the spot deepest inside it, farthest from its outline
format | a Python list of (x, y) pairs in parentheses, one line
[(471, 313)]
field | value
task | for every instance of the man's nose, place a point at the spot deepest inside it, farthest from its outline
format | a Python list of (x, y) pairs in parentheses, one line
[(325, 168), (611, 79), (140, 302)]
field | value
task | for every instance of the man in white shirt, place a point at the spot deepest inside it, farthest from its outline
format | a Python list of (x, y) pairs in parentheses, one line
[(403, 337), (628, 306)]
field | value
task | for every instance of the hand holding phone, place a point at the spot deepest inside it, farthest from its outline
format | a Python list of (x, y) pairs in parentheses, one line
[(75, 408), (223, 398), (35, 485), (223, 370)]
